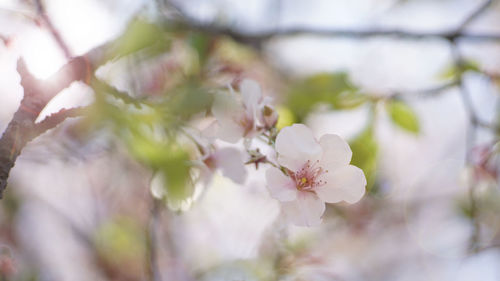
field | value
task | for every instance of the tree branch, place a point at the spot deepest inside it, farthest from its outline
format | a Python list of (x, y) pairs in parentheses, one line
[(55, 33), (152, 259), (475, 14), (256, 39), (37, 94), (57, 118), (472, 116)]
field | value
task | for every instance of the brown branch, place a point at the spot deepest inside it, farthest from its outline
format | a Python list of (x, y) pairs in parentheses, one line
[(256, 39), (37, 94), (475, 14), (473, 122), (55, 33), (423, 93), (57, 118), (152, 242)]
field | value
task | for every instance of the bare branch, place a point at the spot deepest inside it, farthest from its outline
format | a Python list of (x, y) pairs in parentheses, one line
[(475, 14), (153, 266), (473, 120), (424, 93), (256, 39), (55, 33), (37, 94), (57, 118)]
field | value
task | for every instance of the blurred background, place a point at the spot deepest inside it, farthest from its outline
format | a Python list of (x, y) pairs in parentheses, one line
[(413, 85)]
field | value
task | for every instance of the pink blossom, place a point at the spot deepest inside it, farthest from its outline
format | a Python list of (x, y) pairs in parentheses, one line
[(267, 115), (240, 115), (316, 172), (228, 160)]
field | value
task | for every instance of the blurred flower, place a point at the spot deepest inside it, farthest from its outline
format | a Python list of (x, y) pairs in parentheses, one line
[(228, 160), (160, 189), (236, 114), (267, 115), (203, 160), (316, 172)]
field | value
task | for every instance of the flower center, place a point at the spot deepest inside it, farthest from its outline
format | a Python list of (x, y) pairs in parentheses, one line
[(210, 162), (246, 122), (308, 177)]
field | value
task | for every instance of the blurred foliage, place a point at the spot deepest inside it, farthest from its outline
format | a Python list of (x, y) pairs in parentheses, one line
[(452, 71), (175, 180), (150, 131), (230, 51), (140, 35), (10, 205), (403, 116), (121, 242), (202, 44), (285, 117), (187, 100), (332, 89), (487, 204), (248, 269), (364, 154)]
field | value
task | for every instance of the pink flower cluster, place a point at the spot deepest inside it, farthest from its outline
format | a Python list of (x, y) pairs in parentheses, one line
[(308, 172)]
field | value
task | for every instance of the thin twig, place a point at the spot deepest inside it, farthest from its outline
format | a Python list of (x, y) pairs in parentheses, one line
[(424, 93), (471, 131), (475, 14), (37, 93), (57, 118), (55, 33), (153, 266), (258, 38), (473, 120)]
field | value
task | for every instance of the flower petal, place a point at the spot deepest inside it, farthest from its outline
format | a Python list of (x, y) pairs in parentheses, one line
[(295, 146), (336, 152), (305, 211), (227, 105), (346, 183), (251, 94), (227, 109), (230, 161), (280, 186), (229, 131)]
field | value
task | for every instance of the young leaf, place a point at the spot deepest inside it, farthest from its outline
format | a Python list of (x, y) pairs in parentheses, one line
[(403, 116), (364, 155), (139, 35), (451, 71), (333, 89)]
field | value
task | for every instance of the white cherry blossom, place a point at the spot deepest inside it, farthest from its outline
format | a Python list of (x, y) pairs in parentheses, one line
[(316, 172), (236, 113), (267, 115), (228, 160)]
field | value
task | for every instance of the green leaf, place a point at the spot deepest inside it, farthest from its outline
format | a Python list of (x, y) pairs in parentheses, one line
[(201, 43), (172, 163), (403, 116), (188, 99), (176, 171), (139, 35), (333, 89), (364, 155), (285, 117), (120, 240), (452, 71)]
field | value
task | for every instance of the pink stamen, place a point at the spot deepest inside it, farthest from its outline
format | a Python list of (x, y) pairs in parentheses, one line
[(306, 179)]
